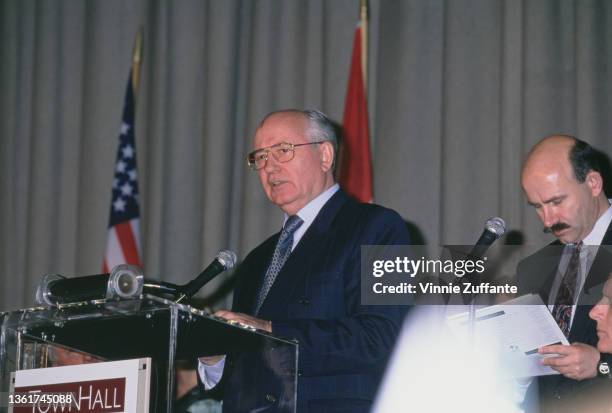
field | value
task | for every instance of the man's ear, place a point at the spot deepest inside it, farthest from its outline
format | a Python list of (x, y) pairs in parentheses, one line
[(595, 182), (327, 155)]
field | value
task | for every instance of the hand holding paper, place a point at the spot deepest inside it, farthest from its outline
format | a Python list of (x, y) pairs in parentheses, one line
[(517, 330), (577, 361)]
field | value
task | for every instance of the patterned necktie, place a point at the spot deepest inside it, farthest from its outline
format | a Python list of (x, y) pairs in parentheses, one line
[(562, 311), (281, 253)]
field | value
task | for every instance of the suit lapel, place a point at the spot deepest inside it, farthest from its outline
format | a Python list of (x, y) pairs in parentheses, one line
[(549, 263), (254, 269), (297, 266)]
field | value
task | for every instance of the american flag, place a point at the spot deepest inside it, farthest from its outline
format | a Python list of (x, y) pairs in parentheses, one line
[(123, 244)]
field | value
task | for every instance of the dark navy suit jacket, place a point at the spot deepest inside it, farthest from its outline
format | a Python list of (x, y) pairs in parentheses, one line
[(343, 345), (536, 274)]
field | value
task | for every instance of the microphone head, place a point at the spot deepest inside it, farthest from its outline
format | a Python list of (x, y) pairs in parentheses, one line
[(43, 291), (125, 281), (496, 225), (227, 258)]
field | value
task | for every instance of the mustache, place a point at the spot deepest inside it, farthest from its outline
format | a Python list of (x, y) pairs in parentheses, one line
[(559, 226)]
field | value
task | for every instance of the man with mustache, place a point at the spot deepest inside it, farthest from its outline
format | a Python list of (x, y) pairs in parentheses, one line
[(562, 179)]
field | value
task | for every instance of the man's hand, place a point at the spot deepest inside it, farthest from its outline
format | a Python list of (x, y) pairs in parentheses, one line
[(577, 361), (241, 318), (246, 319)]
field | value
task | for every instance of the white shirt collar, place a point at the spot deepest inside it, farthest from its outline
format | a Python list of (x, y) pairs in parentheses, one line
[(309, 212), (599, 229)]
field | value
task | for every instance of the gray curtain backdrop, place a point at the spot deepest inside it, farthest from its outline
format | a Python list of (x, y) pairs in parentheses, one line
[(458, 92)]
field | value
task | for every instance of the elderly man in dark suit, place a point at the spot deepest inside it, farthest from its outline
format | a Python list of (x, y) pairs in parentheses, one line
[(562, 179), (304, 282)]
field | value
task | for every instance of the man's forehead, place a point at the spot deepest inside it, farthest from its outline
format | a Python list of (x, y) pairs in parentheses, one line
[(551, 155), (541, 171), (281, 127)]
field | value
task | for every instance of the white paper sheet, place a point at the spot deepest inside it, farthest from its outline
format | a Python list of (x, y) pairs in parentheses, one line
[(514, 331)]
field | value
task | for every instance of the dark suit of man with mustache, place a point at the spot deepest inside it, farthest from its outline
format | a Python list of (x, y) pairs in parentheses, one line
[(562, 180)]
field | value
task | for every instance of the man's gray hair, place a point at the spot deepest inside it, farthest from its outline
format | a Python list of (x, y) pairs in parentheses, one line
[(321, 128)]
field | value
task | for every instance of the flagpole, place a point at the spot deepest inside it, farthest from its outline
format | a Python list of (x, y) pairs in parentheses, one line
[(136, 59), (363, 16)]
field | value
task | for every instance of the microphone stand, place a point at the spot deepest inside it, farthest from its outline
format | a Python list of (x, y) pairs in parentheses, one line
[(494, 229), (471, 321)]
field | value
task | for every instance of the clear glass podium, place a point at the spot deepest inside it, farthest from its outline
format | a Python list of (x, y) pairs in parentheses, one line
[(104, 330)]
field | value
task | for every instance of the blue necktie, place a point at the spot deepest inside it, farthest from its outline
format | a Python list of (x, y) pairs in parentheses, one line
[(281, 253), (566, 296)]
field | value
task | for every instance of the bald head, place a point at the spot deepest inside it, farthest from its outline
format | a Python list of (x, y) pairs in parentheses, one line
[(549, 153), (565, 190)]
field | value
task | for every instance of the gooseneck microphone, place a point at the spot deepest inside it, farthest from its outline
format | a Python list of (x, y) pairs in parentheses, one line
[(494, 229), (224, 261), (124, 281)]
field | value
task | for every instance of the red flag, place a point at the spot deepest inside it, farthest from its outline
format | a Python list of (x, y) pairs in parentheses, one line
[(355, 165)]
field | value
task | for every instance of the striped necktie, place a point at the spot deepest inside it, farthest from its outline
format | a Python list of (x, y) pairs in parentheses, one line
[(281, 253), (566, 296)]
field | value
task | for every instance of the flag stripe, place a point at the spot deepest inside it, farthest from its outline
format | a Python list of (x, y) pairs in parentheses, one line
[(135, 224), (128, 243), (114, 253)]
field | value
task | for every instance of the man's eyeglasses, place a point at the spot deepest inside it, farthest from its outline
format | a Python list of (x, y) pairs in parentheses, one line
[(282, 152)]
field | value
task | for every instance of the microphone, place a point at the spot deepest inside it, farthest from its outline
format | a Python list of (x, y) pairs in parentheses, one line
[(494, 228), (123, 282), (224, 261)]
